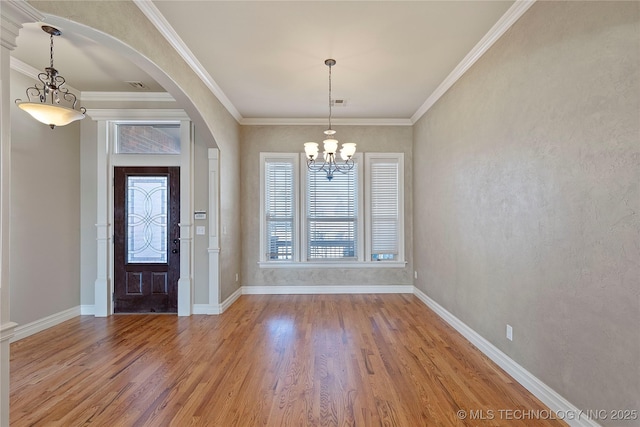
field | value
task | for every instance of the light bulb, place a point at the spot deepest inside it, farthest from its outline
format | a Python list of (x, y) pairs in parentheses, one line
[(330, 145), (311, 149), (348, 150)]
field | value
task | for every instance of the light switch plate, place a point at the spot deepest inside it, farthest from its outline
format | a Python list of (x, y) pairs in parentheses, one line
[(200, 230)]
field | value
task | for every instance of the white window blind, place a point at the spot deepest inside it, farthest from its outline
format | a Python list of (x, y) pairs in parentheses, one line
[(332, 215), (279, 209), (385, 208)]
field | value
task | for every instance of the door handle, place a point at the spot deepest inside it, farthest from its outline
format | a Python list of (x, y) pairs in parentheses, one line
[(174, 251)]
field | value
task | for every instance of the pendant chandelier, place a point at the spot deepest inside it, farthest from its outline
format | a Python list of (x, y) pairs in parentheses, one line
[(46, 101), (329, 164)]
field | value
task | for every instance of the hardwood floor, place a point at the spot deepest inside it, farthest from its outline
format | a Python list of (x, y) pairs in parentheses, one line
[(269, 360)]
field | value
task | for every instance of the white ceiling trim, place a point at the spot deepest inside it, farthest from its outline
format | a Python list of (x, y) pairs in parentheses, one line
[(504, 23), (24, 68), (153, 14), (14, 14), (314, 122), (130, 115), (127, 96)]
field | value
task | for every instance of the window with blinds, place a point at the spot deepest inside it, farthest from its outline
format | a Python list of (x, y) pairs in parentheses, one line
[(332, 215), (384, 208), (356, 218), (279, 208)]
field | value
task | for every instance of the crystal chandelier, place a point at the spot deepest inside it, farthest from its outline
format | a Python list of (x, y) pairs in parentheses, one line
[(44, 101), (329, 165)]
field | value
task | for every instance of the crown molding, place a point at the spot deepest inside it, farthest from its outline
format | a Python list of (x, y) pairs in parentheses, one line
[(13, 14), (153, 14), (137, 114), (24, 68), (504, 23), (317, 122), (127, 96)]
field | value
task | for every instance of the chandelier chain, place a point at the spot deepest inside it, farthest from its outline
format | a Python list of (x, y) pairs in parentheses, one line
[(51, 49), (329, 96)]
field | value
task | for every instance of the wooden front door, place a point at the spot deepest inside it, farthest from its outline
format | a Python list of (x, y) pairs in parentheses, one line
[(146, 239)]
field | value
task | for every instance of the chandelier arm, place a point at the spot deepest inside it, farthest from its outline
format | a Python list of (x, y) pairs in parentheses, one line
[(345, 167), (33, 91), (59, 81), (44, 79), (330, 166), (69, 97), (314, 167)]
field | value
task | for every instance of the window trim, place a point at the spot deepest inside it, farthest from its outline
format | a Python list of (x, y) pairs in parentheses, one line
[(369, 158), (294, 159)]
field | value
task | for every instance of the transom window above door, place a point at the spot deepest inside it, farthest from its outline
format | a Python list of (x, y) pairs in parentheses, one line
[(157, 138)]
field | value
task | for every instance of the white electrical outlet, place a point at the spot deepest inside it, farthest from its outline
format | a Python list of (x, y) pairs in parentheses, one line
[(415, 274), (509, 333), (236, 277)]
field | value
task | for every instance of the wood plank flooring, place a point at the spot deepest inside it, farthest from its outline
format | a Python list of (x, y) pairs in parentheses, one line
[(269, 360)]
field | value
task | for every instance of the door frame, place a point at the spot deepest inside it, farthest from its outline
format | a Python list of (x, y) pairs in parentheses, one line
[(106, 161)]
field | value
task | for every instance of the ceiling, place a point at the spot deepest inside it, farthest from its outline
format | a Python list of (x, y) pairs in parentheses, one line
[(267, 57)]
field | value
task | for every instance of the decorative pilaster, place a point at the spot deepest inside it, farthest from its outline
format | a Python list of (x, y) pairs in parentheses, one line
[(185, 285), (102, 285), (214, 228)]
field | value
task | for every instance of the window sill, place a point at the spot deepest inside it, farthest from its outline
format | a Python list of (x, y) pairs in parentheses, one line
[(329, 264)]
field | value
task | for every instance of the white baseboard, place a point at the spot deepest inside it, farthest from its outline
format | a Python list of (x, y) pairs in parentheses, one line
[(217, 309), (39, 325), (7, 331), (331, 289), (558, 404), (87, 310), (205, 309), (230, 300)]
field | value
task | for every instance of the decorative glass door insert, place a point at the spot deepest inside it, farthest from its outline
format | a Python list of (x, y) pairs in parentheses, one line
[(147, 219)]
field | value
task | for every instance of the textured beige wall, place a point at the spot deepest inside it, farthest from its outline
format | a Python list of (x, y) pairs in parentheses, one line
[(200, 203), (256, 139), (45, 212), (123, 21), (526, 178)]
